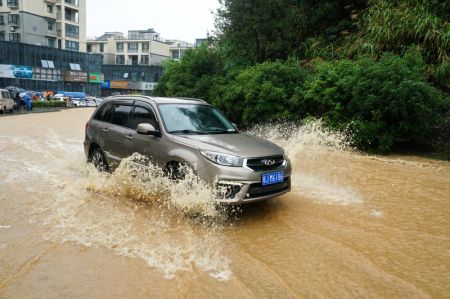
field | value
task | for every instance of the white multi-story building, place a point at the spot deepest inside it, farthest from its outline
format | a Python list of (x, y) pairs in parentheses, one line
[(54, 23), (178, 48), (139, 47)]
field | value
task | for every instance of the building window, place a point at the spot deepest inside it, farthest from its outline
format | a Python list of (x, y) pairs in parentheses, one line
[(133, 47), (175, 54), (13, 3), (72, 31), (120, 59), (50, 26), (14, 37), (13, 19), (51, 43), (2, 35), (102, 48), (75, 66), (1, 2), (71, 45), (144, 59), (119, 47), (145, 47), (47, 64), (49, 8), (71, 16), (46, 74), (2, 20), (89, 48)]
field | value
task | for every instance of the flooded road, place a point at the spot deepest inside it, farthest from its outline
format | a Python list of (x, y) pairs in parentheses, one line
[(353, 225)]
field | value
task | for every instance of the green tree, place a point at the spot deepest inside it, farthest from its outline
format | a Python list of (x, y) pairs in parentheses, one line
[(193, 75), (383, 102)]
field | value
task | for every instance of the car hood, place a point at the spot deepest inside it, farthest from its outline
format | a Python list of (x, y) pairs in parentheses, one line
[(243, 145)]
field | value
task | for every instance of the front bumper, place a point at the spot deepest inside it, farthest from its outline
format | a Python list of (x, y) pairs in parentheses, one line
[(241, 185)]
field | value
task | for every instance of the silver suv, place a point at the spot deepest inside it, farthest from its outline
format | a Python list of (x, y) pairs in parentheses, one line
[(178, 131)]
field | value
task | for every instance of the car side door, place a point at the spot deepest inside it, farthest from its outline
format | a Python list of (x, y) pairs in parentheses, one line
[(150, 146), (116, 135)]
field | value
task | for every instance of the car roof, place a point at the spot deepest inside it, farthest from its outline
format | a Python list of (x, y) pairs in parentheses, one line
[(158, 100)]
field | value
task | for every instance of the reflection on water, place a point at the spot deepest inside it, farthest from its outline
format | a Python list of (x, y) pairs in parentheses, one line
[(353, 225)]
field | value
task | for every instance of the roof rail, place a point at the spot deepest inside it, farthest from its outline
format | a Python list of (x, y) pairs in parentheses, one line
[(189, 99)]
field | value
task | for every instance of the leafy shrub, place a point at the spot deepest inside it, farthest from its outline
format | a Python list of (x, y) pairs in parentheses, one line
[(383, 102), (262, 92), (48, 104)]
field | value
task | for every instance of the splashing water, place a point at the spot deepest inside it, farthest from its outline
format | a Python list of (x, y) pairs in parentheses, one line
[(137, 178), (310, 145)]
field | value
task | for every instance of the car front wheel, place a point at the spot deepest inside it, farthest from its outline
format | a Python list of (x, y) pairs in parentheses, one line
[(98, 160)]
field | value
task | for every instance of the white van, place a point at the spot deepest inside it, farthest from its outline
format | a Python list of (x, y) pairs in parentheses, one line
[(6, 103)]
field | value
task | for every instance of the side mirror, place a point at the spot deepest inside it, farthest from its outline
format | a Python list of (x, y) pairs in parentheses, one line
[(146, 129)]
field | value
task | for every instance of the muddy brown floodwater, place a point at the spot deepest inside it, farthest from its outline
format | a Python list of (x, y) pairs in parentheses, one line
[(353, 225)]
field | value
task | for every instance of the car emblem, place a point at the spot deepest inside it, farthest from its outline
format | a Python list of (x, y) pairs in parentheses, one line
[(268, 162)]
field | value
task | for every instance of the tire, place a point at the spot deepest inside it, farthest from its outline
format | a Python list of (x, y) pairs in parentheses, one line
[(175, 171), (98, 160)]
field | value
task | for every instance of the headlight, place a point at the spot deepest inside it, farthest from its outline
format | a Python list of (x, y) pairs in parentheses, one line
[(222, 159)]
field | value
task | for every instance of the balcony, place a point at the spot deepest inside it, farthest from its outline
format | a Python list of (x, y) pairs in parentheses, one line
[(74, 3), (72, 35), (72, 18), (13, 3), (13, 20)]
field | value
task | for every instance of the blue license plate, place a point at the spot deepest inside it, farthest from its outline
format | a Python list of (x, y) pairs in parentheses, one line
[(272, 178)]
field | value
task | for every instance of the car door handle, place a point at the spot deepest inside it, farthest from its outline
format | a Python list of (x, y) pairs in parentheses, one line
[(129, 137), (105, 130)]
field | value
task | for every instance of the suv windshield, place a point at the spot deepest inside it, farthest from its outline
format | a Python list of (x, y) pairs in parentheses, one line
[(194, 119)]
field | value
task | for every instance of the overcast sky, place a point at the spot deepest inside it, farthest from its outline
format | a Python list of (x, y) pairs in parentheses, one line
[(173, 19)]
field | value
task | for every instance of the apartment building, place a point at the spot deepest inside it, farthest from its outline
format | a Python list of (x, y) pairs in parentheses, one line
[(143, 47), (54, 23), (131, 63)]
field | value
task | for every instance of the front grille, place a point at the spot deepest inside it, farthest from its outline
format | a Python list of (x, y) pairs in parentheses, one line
[(260, 164), (258, 190)]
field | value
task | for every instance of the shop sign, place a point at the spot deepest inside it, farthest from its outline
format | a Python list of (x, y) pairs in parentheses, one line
[(147, 85), (119, 84), (74, 76), (96, 78), (105, 85)]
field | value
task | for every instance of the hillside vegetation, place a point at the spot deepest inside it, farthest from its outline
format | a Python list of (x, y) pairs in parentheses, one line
[(378, 69)]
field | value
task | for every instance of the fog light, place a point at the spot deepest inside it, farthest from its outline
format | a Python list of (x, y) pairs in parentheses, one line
[(228, 190)]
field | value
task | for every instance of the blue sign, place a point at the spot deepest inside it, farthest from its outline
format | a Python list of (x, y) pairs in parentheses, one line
[(106, 85)]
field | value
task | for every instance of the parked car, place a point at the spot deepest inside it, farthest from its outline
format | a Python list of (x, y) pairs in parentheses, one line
[(6, 102), (78, 102), (92, 101), (174, 132), (60, 97)]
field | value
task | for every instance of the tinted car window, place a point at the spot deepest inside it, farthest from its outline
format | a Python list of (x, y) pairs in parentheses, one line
[(142, 115), (120, 114), (102, 114)]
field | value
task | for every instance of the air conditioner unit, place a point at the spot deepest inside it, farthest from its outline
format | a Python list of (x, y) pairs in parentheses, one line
[(12, 29)]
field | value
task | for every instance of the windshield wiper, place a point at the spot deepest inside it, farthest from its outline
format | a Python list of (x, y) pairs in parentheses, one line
[(187, 132), (222, 132)]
